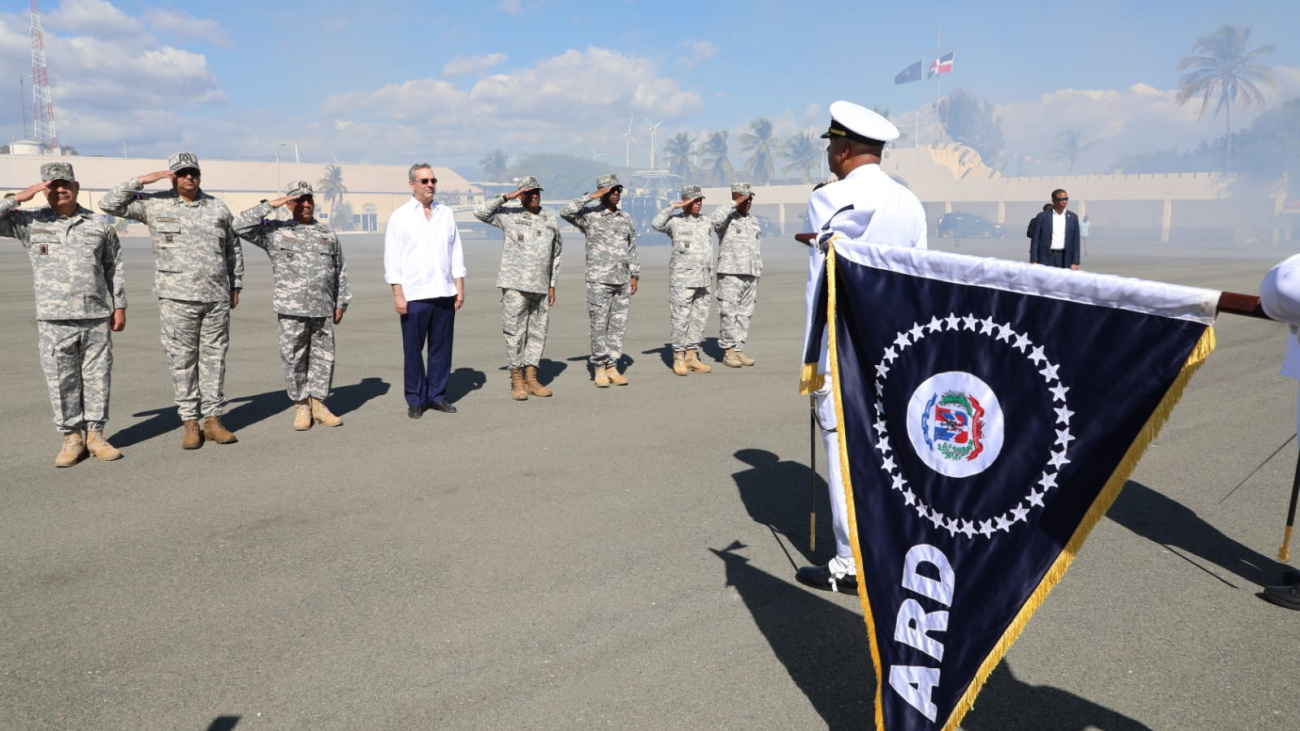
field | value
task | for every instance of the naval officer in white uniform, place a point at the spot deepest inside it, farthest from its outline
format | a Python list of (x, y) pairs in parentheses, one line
[(865, 204)]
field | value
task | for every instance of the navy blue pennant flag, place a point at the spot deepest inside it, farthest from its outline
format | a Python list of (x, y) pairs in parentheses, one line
[(990, 412)]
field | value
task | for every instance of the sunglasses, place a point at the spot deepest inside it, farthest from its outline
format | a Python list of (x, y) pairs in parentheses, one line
[(1060, 200), (427, 181), (187, 173)]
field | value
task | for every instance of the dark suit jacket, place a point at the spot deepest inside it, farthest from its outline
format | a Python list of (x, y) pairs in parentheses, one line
[(1041, 243)]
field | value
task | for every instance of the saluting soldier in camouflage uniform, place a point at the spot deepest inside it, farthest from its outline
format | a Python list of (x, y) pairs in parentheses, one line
[(80, 297), (530, 264), (199, 271), (311, 295), (690, 271), (739, 267), (612, 272)]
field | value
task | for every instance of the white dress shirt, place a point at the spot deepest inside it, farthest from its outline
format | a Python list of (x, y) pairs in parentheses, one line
[(1058, 231), (423, 254)]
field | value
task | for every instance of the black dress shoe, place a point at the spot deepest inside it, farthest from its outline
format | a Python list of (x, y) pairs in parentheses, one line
[(443, 406), (1291, 577), (1283, 596), (415, 412), (820, 577)]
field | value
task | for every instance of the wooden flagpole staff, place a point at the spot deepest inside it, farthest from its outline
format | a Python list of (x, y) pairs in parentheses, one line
[(1236, 303)]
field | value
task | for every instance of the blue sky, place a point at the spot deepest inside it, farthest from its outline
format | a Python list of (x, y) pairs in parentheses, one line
[(450, 81)]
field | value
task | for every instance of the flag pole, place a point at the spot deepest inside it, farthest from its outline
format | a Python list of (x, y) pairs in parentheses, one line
[(938, 52), (1284, 553), (812, 475)]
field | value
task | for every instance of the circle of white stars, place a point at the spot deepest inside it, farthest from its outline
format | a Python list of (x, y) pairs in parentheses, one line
[(957, 525)]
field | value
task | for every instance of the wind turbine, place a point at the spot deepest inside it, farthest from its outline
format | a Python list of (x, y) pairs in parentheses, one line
[(628, 136), (596, 155), (653, 129)]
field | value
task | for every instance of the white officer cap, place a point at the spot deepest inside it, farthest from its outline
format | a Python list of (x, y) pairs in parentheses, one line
[(856, 122)]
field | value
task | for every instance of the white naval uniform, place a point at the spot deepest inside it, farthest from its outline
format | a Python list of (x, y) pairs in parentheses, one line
[(1279, 293), (884, 212)]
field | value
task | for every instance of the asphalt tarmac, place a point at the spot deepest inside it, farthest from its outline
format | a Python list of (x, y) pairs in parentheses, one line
[(618, 558)]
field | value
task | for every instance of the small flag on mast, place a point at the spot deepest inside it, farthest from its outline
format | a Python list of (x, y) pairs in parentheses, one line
[(941, 65), (909, 74)]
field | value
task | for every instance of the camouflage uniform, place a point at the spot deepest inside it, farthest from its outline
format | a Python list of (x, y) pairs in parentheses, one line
[(611, 264), (690, 271), (311, 281), (739, 266), (77, 268), (198, 262), (530, 266)]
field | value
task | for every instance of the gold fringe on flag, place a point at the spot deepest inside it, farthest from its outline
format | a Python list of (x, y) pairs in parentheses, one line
[(1108, 494)]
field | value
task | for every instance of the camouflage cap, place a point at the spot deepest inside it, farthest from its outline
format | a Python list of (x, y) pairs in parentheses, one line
[(691, 192), (57, 171), (529, 183), (608, 181), (298, 188), (181, 161), (741, 188)]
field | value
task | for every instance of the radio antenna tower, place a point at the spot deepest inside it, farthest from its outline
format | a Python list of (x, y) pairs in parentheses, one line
[(42, 106)]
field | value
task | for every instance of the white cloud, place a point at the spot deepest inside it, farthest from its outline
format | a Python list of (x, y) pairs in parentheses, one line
[(1138, 119), (181, 24), (146, 96), (568, 103), (513, 7), (470, 65), (697, 52)]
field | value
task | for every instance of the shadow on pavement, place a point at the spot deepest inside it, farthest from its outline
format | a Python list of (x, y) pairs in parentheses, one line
[(625, 361), (711, 348), (825, 649), (1168, 523), (823, 646), (776, 493), (224, 723), (665, 353), (346, 399), (1008, 704), (549, 370), (160, 422), (462, 381), (252, 409)]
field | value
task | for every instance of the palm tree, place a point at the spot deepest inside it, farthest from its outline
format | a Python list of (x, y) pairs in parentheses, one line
[(1070, 145), (762, 145), (1221, 66), (804, 155), (494, 166), (331, 187), (715, 150), (677, 155)]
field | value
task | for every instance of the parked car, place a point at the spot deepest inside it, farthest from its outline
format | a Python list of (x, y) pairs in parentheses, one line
[(968, 225)]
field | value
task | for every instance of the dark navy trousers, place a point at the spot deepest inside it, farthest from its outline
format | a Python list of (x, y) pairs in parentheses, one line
[(430, 321)]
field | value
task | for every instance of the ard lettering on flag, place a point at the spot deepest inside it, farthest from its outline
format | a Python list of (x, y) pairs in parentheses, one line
[(990, 412)]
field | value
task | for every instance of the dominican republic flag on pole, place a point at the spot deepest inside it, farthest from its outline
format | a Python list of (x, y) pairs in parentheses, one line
[(990, 411), (909, 74), (941, 65)]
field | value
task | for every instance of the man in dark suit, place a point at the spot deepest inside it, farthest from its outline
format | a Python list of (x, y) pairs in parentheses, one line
[(1055, 240)]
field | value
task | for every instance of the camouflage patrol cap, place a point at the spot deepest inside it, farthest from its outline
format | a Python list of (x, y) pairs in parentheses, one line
[(298, 188), (529, 183), (741, 188), (608, 181), (57, 171), (691, 192), (181, 161)]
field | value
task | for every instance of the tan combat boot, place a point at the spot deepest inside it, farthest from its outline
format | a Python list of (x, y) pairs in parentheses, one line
[(602, 377), (744, 359), (301, 415), (614, 376), (518, 389), (191, 438), (679, 363), (212, 429), (732, 359), (322, 415), (73, 451), (99, 446), (693, 362), (535, 387)]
